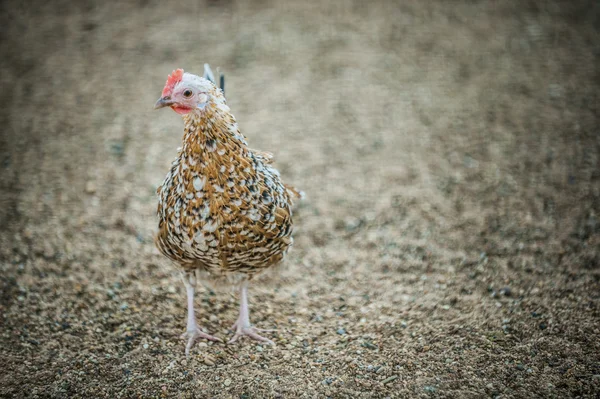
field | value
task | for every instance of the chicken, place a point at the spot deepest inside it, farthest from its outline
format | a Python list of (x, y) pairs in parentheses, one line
[(223, 210)]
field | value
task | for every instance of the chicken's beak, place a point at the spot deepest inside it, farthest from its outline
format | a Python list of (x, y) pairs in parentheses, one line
[(163, 102)]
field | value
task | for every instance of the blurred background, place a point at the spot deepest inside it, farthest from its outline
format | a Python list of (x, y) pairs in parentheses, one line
[(448, 245)]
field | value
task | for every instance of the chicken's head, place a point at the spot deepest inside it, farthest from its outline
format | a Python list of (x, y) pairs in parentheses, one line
[(185, 92)]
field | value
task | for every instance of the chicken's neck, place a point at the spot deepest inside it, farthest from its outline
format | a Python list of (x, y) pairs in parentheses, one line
[(212, 141)]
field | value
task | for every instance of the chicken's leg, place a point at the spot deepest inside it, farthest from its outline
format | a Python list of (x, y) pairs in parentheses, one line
[(242, 326), (193, 332)]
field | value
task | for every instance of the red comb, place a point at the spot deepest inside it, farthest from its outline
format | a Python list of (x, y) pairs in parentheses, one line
[(174, 78)]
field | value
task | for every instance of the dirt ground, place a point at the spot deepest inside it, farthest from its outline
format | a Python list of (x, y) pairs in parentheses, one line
[(448, 246)]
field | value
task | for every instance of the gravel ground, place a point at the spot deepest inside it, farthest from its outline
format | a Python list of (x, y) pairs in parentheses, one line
[(448, 246)]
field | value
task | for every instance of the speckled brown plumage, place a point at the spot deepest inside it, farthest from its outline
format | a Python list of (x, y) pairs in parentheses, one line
[(222, 208)]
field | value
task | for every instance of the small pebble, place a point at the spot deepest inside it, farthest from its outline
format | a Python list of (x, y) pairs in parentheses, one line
[(117, 148), (543, 326), (341, 331), (90, 187), (389, 379), (227, 382), (207, 361), (146, 346), (369, 345)]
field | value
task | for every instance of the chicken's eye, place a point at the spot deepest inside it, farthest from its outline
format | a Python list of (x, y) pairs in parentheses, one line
[(187, 94)]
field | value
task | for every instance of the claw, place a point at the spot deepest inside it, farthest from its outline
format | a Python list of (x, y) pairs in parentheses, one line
[(192, 336), (251, 333)]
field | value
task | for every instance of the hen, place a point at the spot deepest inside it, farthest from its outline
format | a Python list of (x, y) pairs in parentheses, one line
[(223, 210)]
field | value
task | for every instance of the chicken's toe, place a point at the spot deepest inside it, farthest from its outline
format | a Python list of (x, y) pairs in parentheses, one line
[(193, 335), (250, 332)]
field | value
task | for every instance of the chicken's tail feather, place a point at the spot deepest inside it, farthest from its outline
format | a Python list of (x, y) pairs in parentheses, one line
[(209, 75), (294, 192)]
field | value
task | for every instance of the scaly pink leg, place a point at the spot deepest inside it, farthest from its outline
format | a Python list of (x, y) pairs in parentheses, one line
[(242, 326), (193, 332)]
